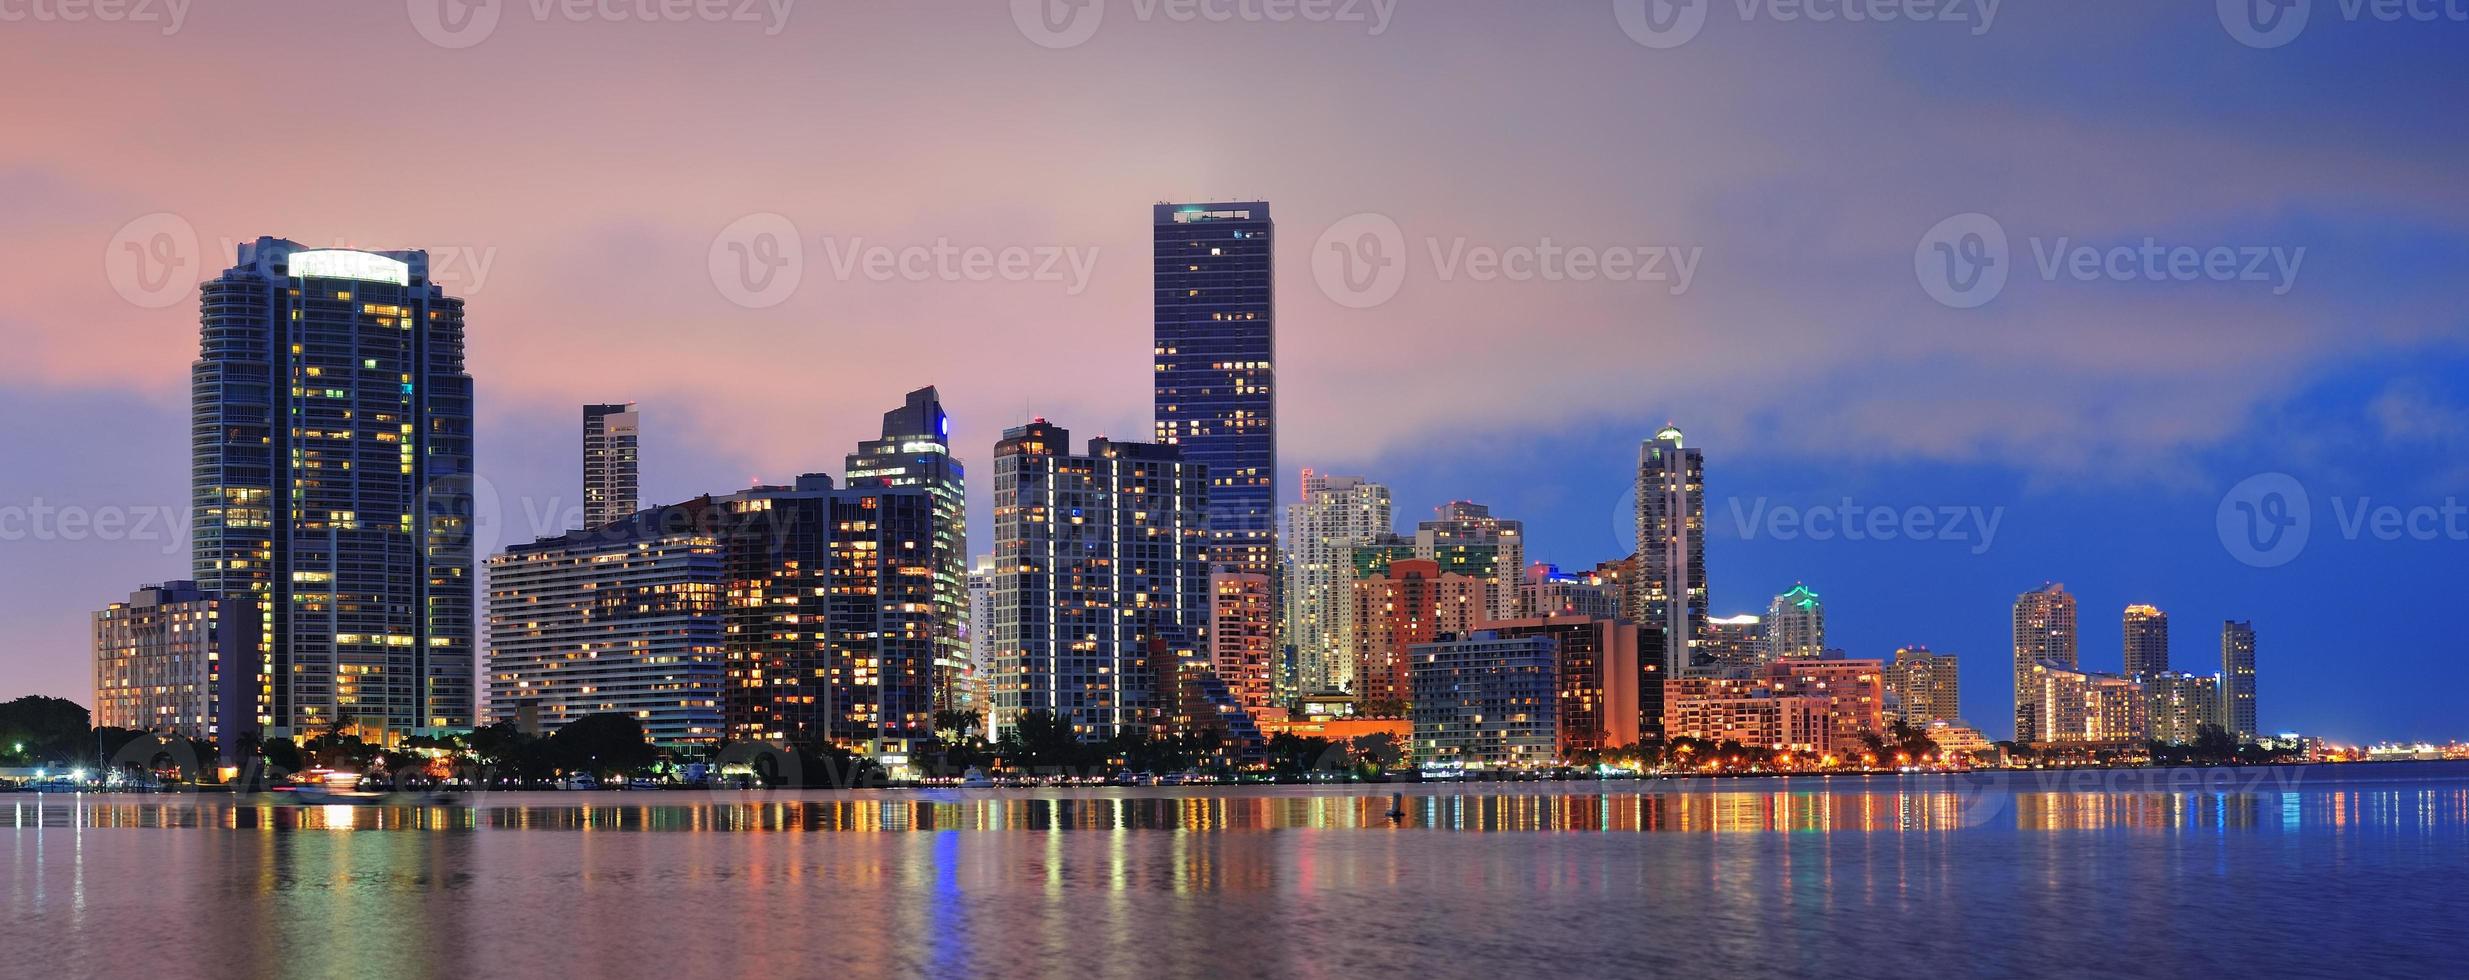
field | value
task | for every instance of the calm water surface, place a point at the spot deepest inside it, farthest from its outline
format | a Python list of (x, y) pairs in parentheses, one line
[(2358, 871)]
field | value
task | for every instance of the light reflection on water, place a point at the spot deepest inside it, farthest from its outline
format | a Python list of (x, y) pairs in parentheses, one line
[(1881, 876)]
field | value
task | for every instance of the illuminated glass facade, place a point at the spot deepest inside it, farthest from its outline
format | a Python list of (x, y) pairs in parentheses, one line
[(610, 433), (1215, 362), (916, 451), (1668, 585), (331, 469)]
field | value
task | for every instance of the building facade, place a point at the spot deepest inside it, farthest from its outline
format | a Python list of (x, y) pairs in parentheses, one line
[(1733, 644), (1598, 680), (332, 487), (2078, 706), (625, 617), (1215, 359), (2044, 632), (610, 461), (1239, 637), (1926, 686), (1548, 591), (1465, 539), (1486, 701), (1412, 601), (1336, 515), (915, 450), (1795, 626), (2179, 705), (1816, 706), (1669, 586), (160, 663), (1096, 555)]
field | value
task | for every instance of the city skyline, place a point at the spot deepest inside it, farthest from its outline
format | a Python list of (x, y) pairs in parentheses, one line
[(2120, 506)]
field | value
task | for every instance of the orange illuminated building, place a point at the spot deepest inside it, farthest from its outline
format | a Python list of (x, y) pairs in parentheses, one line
[(1411, 602)]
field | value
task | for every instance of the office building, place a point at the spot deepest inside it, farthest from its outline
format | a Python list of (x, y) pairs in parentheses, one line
[(1669, 587), (1484, 701), (2178, 705), (1599, 677), (1096, 555), (159, 664), (1795, 626), (1925, 686), (915, 450), (1336, 515), (1412, 601), (628, 617), (332, 487), (2147, 640), (610, 459), (1215, 296), (2237, 679), (1466, 539), (2044, 633)]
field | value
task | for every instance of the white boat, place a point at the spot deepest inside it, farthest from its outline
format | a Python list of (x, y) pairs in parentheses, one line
[(975, 778)]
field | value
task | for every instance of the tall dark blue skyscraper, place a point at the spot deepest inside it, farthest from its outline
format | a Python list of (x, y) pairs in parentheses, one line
[(332, 430), (1216, 366)]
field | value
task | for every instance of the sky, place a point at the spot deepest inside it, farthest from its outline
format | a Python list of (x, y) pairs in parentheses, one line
[(2116, 294)]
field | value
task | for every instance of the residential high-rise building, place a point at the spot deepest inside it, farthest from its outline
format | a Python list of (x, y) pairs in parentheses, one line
[(629, 617), (1733, 644), (2237, 679), (1486, 701), (1925, 685), (1096, 556), (331, 476), (1215, 296), (1336, 515), (915, 450), (1599, 677), (159, 664), (981, 638), (1239, 636), (1669, 587), (1823, 707), (610, 434), (2044, 633), (1413, 601), (2179, 705), (1466, 539), (2081, 706), (1548, 591), (2147, 640), (1795, 626)]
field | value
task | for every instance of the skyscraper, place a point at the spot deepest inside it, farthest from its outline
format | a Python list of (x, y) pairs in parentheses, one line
[(609, 459), (1795, 626), (916, 451), (331, 477), (1466, 539), (1668, 587), (1215, 355), (1489, 701), (1733, 643), (2044, 634), (2237, 679), (1239, 636), (1097, 558), (2179, 705), (1926, 686), (981, 638), (1413, 601), (1336, 515), (1599, 680), (2147, 640)]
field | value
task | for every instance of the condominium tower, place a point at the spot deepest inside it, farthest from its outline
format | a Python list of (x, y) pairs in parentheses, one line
[(609, 462), (1668, 587)]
